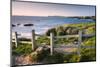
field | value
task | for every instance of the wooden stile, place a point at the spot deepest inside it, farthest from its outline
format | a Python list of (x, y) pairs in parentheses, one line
[(79, 42), (33, 40), (51, 43), (16, 39)]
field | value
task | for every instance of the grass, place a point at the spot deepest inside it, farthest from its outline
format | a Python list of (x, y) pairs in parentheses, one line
[(87, 54), (22, 49)]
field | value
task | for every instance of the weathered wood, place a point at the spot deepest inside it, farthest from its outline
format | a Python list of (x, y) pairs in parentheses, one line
[(51, 43), (33, 40), (16, 39), (66, 36), (25, 42), (53, 38), (79, 42)]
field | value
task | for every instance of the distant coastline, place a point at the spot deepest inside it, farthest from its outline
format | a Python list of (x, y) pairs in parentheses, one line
[(41, 24)]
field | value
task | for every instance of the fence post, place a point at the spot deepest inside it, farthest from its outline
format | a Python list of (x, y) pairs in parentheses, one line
[(16, 39), (33, 40), (51, 43), (79, 41)]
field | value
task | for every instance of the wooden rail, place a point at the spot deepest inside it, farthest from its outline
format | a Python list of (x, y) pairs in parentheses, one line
[(66, 36), (52, 39)]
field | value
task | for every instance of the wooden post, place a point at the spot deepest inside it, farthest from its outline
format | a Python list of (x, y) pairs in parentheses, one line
[(16, 40), (33, 40), (79, 41), (51, 43)]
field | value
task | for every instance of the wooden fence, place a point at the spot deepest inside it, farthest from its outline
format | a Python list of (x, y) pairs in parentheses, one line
[(52, 39), (79, 35)]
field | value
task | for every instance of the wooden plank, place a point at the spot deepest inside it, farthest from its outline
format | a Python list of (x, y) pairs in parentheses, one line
[(26, 42), (79, 42), (51, 43), (33, 40), (29, 42), (16, 40), (66, 36)]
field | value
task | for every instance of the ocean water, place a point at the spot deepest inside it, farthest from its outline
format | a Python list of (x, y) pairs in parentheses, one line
[(41, 24)]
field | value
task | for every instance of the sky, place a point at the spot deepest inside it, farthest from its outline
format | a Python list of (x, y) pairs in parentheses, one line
[(45, 9)]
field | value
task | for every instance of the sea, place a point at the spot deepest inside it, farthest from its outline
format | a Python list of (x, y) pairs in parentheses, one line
[(41, 24)]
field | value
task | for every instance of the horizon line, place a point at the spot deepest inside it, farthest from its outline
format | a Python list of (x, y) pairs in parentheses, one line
[(55, 15)]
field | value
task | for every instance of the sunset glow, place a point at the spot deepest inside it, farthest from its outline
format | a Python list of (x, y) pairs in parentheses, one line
[(45, 9)]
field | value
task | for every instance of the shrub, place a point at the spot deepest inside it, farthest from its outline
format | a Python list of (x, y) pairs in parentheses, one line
[(89, 41), (55, 58), (88, 55), (42, 40), (71, 58), (22, 49), (74, 58)]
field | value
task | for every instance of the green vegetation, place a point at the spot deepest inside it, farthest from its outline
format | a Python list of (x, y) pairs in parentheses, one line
[(89, 42), (22, 49), (73, 29), (43, 40), (87, 54), (68, 29)]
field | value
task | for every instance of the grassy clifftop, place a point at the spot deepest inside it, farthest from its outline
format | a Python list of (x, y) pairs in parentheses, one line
[(87, 28)]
